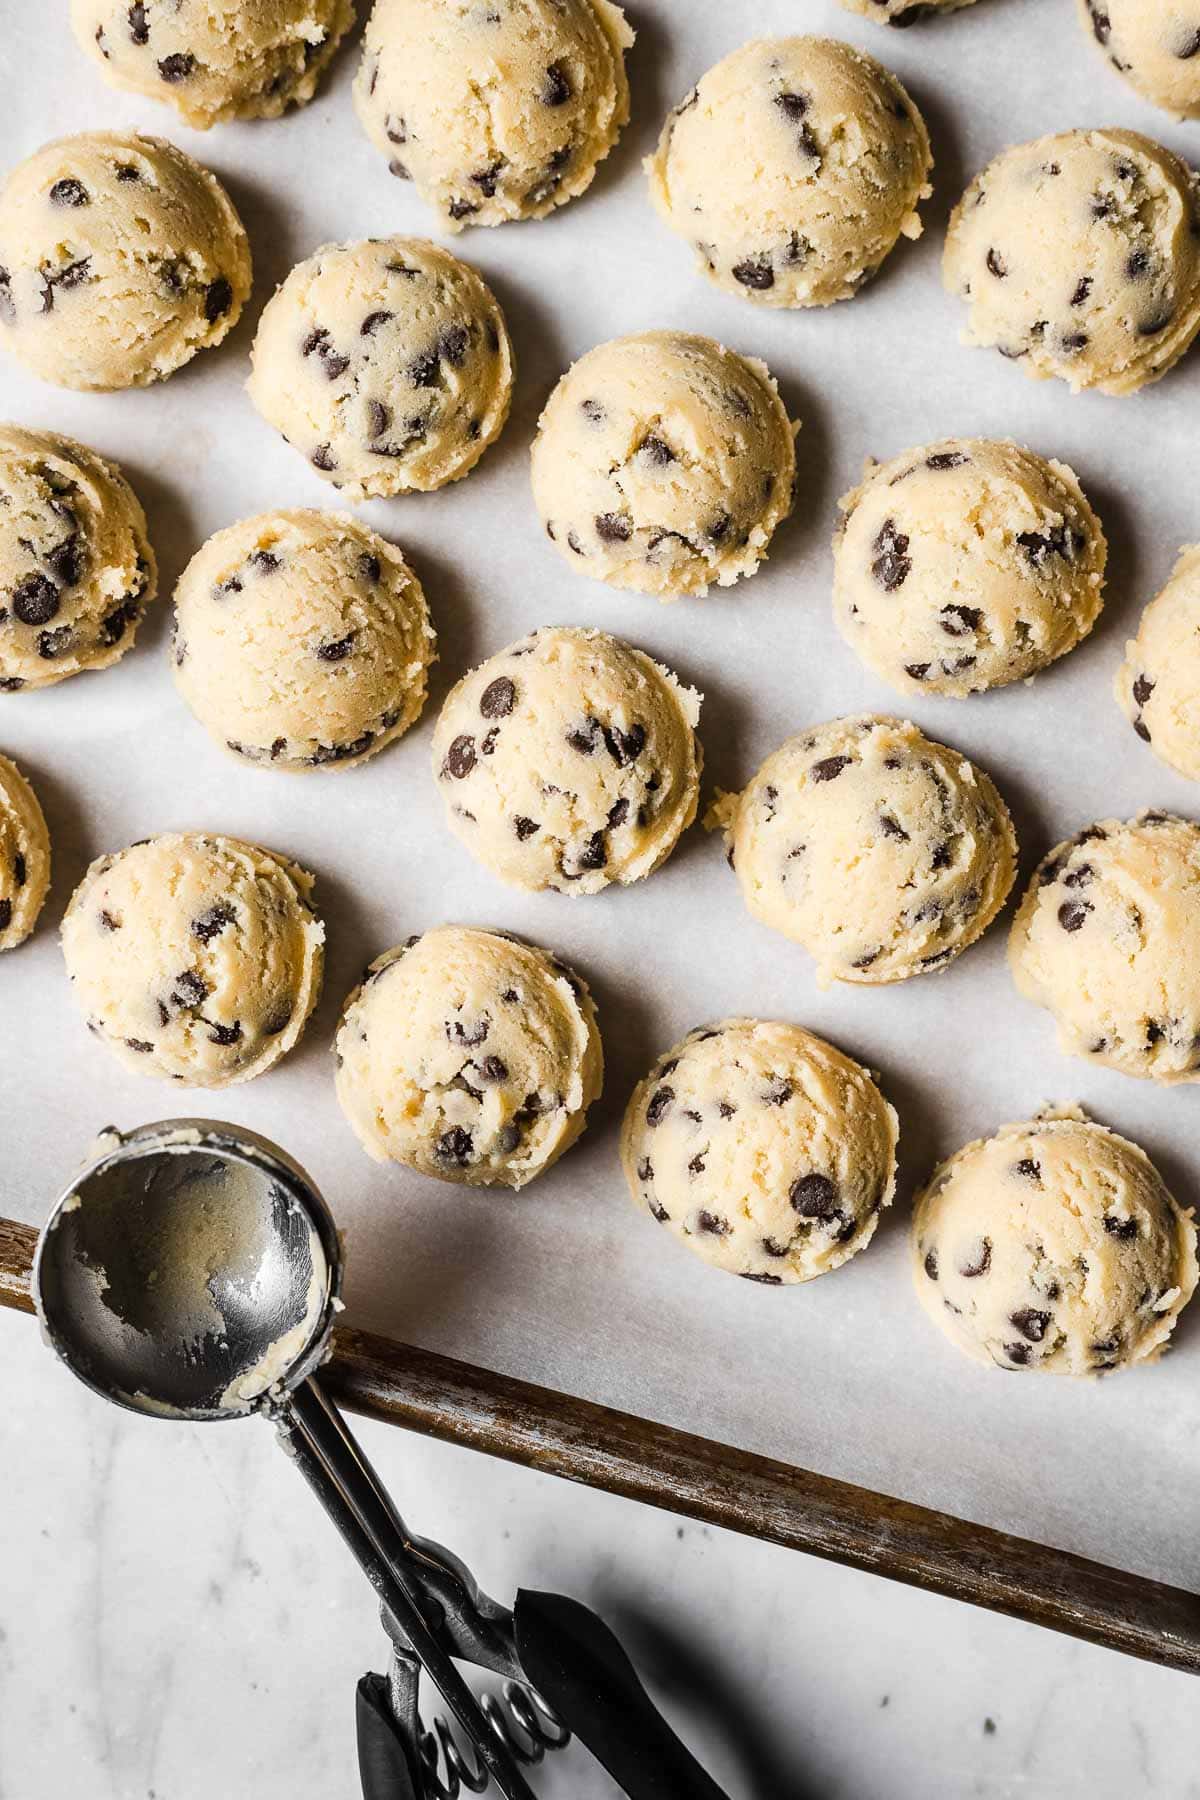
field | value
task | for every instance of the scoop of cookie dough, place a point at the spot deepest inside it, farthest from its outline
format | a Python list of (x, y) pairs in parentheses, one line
[(302, 640), (24, 856), (902, 13), (764, 1149), (1107, 939), (1053, 1246), (495, 112), (1078, 257), (569, 761), (664, 462), (232, 59), (966, 565), (1155, 44), (469, 1055), (1158, 684), (195, 958), (792, 169), (881, 852), (76, 567), (387, 363), (120, 257)]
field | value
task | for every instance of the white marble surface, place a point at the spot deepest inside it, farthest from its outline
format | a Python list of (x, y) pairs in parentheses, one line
[(177, 1622)]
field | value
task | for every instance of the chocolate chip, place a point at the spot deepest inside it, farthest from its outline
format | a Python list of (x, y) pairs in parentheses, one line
[(556, 86), (1143, 687), (108, 922), (592, 410), (1030, 1323), (764, 1278), (498, 698), (892, 828), (979, 1260), (892, 563), (525, 828), (660, 1102), (613, 528), (139, 29), (584, 738), (1018, 1354), (624, 746), (210, 924), (931, 1265), (618, 812), (957, 621), (460, 758), (69, 192), (594, 853), (713, 1224), (656, 450), (373, 321), (947, 459), (1028, 1169), (369, 566), (1120, 1228), (177, 67), (337, 651), (918, 671), (453, 345), (6, 914), (36, 600), (1189, 46), (52, 643), (996, 265), (829, 767), (264, 562), (1137, 264), (19, 870), (218, 298), (423, 370), (1082, 290), (815, 1197), (1081, 877), (457, 1032), (323, 458), (779, 1092), (455, 1146), (1074, 341), (226, 1035), (190, 989), (140, 1045), (493, 1068), (485, 179), (1072, 914), (755, 272)]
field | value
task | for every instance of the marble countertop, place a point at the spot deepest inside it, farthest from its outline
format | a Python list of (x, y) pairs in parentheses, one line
[(177, 1620)]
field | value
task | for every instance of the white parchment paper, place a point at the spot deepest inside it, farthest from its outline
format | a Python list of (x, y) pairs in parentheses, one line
[(567, 1284)]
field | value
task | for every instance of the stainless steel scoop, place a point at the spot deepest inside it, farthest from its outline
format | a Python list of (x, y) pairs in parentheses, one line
[(193, 1271)]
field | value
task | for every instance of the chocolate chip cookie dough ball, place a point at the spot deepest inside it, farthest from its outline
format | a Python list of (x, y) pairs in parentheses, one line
[(966, 565), (1158, 684), (569, 761), (498, 111), (1053, 1246), (881, 852), (469, 1055), (902, 13), (120, 257), (792, 169), (1155, 44), (764, 1149), (302, 640), (76, 567), (386, 363), (235, 59), (664, 462), (1079, 257), (1107, 939), (195, 958), (24, 856)]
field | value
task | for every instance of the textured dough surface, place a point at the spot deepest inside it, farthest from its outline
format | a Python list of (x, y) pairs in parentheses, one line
[(1155, 44), (1053, 1246), (569, 761), (1079, 257), (793, 168), (76, 567), (213, 59), (1107, 939), (497, 111), (387, 363), (902, 13), (24, 856), (120, 257), (195, 958), (664, 462), (763, 1149), (1158, 684), (469, 1055), (966, 565), (302, 640), (881, 852)]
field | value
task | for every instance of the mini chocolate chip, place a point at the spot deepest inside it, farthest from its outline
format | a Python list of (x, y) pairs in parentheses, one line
[(190, 989), (373, 321), (892, 563), (767, 1280), (624, 746), (697, 1165), (957, 621), (177, 67), (594, 853), (931, 1265), (498, 698), (660, 1101), (1030, 1323), (947, 459), (35, 600), (19, 869), (713, 1224), (69, 192), (218, 298), (139, 29), (369, 566), (493, 1068), (584, 738), (613, 528), (556, 86), (829, 767), (1081, 877), (210, 924), (52, 643), (1082, 289), (460, 758), (525, 828), (1018, 1354), (323, 458), (618, 812), (815, 1197), (1120, 1228), (779, 1092), (755, 272), (424, 369), (226, 1034), (1189, 46), (453, 344), (892, 828), (918, 671), (108, 922), (6, 914), (996, 265), (656, 450), (979, 1260), (455, 1146), (592, 409), (140, 1045), (1072, 914), (1137, 264), (1028, 1169), (1074, 341), (1143, 687), (337, 651)]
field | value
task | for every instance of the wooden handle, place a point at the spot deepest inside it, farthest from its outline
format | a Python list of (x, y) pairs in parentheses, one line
[(724, 1486)]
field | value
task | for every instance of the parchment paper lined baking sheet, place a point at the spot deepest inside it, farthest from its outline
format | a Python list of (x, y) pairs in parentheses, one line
[(567, 1284)]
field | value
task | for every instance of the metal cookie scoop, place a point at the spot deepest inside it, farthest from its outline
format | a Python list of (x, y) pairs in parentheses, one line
[(193, 1271)]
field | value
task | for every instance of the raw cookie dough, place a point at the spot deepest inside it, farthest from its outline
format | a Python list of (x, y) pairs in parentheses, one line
[(302, 640), (568, 761), (387, 363), (881, 852), (1155, 44), (1055, 1246), (1107, 939), (1079, 257), (792, 169), (1158, 684), (24, 856), (469, 1055), (965, 565), (764, 1149), (498, 111), (903, 12), (195, 957), (120, 257), (76, 567), (213, 59), (664, 462)]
